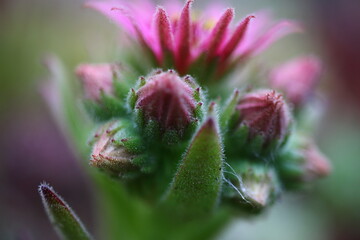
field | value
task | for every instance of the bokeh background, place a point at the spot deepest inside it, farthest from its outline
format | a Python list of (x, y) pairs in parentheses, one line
[(33, 149)]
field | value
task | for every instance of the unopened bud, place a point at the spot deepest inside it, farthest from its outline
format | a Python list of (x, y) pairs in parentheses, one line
[(265, 115), (297, 78), (254, 184), (96, 78), (316, 163), (112, 153), (167, 99), (303, 163)]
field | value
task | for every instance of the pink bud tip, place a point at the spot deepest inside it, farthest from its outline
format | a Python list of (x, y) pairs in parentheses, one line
[(265, 113), (168, 99), (297, 78), (316, 164), (96, 78)]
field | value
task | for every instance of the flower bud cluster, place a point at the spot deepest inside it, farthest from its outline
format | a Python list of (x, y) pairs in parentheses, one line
[(164, 132), (188, 147)]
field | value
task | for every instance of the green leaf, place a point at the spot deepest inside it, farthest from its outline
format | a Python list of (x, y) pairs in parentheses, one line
[(109, 107), (65, 221), (60, 95), (229, 111), (196, 186), (121, 215)]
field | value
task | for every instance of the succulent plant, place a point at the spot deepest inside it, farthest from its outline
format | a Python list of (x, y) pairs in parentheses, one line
[(180, 145)]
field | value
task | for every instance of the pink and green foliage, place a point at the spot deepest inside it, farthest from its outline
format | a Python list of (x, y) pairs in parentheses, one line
[(176, 146)]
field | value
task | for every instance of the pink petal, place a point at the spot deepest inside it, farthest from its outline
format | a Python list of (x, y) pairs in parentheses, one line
[(123, 12), (182, 39), (255, 30), (219, 32), (236, 38), (164, 31), (106, 8), (278, 31)]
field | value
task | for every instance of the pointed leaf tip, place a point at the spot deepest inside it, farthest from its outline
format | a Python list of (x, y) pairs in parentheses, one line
[(210, 123), (49, 196), (64, 220), (229, 112)]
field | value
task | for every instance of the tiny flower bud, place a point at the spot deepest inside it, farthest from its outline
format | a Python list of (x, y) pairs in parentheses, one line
[(316, 163), (303, 163), (259, 185), (265, 114), (112, 152), (296, 78), (96, 78), (254, 184), (167, 99), (103, 94)]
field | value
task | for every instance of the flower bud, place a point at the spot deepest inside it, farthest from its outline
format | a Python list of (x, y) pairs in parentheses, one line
[(115, 153), (303, 163), (168, 100), (265, 116), (103, 94), (316, 163), (251, 183), (97, 78), (296, 78)]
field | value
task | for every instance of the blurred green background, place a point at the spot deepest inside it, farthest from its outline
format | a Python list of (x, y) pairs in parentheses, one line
[(33, 149)]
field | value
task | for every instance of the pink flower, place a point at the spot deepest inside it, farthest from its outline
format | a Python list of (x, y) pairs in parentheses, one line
[(297, 78), (178, 35), (168, 99), (266, 114), (96, 78)]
